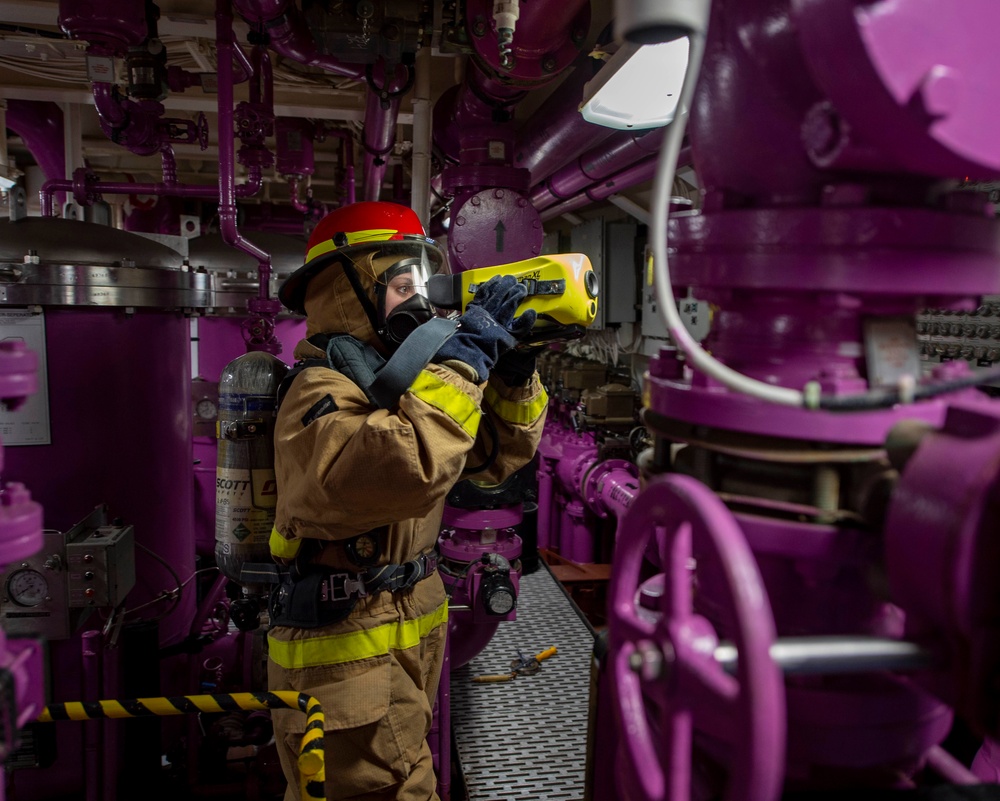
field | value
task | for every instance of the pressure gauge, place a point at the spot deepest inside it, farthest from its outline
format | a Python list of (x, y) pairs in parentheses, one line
[(206, 409), (363, 550), (27, 587)]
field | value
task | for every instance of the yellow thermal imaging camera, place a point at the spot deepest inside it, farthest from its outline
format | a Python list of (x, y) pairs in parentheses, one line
[(562, 289)]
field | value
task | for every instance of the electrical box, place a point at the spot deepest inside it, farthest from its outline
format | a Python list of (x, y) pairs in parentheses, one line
[(90, 566), (612, 252), (101, 567), (696, 314)]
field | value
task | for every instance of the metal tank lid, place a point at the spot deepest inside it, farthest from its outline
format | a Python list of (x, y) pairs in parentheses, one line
[(59, 241), (48, 261), (233, 273), (209, 252)]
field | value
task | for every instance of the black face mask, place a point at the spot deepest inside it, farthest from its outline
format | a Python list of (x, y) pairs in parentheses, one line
[(405, 318)]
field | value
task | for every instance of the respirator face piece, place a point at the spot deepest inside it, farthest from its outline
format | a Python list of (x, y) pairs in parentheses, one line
[(401, 291)]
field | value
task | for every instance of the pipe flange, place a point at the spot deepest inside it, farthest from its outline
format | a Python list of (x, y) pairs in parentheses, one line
[(590, 486)]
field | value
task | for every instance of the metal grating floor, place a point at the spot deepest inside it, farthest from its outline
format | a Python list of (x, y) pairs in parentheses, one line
[(526, 739)]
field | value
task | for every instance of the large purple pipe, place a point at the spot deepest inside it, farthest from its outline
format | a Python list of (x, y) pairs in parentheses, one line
[(557, 133), (627, 178), (472, 103), (618, 152), (380, 127), (290, 37), (636, 174), (40, 126)]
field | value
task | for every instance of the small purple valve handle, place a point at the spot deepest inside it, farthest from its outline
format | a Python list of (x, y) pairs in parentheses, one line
[(665, 677), (18, 373)]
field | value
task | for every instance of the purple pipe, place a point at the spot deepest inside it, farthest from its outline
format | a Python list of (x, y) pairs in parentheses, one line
[(290, 36), (618, 152), (636, 174), (557, 133), (133, 125), (82, 187), (40, 126), (227, 164), (470, 104), (380, 127), (610, 487), (346, 160)]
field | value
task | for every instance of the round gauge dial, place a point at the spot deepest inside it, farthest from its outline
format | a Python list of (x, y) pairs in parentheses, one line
[(363, 550), (206, 409), (27, 587)]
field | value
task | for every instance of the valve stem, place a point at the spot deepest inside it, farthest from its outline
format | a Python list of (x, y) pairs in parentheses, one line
[(505, 14)]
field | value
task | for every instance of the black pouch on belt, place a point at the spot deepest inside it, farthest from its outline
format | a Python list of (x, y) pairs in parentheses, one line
[(302, 600)]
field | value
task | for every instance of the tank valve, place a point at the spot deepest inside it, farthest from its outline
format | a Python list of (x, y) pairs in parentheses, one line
[(497, 590)]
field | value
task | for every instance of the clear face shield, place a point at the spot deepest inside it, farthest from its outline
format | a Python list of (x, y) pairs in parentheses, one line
[(401, 269)]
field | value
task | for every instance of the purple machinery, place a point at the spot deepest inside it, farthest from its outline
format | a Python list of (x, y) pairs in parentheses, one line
[(807, 597)]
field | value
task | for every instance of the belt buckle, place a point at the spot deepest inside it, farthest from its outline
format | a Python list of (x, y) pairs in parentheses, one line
[(430, 563), (341, 587)]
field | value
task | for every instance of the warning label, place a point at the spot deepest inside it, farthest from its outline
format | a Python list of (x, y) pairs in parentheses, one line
[(245, 501)]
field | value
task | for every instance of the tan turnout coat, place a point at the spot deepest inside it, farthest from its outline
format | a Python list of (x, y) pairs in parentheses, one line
[(352, 469)]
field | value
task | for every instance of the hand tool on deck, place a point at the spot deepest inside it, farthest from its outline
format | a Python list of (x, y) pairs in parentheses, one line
[(523, 665)]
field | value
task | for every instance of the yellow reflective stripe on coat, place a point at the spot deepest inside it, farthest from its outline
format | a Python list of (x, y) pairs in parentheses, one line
[(351, 646), (282, 548), (449, 399), (353, 238), (526, 411)]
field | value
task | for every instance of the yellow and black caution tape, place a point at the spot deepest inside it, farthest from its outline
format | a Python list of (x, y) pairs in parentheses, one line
[(312, 771)]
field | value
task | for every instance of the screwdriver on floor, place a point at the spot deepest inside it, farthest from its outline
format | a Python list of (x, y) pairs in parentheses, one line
[(525, 665)]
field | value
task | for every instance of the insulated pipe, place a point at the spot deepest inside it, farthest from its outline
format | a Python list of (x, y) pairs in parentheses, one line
[(618, 152), (290, 36), (420, 184)]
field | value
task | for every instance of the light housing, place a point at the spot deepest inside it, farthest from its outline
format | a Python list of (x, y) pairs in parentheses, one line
[(638, 87)]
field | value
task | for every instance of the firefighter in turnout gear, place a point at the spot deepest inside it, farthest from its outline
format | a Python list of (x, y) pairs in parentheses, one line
[(360, 617)]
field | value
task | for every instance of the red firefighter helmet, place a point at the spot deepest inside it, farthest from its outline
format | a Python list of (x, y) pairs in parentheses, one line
[(353, 231)]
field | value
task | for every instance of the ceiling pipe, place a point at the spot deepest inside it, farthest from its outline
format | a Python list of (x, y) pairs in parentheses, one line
[(616, 153), (634, 175), (40, 126), (290, 37), (381, 114), (259, 327), (557, 133), (492, 221)]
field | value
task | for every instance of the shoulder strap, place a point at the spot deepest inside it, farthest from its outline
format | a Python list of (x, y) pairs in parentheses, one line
[(403, 367), (383, 382)]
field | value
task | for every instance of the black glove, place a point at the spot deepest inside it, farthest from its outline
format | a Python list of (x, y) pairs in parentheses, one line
[(516, 366), (488, 327)]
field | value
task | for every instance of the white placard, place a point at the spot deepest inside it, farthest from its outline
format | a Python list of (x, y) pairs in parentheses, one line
[(29, 425)]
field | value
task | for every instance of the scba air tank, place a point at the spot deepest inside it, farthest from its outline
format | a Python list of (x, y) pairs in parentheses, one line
[(245, 487)]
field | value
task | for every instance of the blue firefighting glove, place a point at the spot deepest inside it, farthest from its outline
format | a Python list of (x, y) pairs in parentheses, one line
[(488, 327)]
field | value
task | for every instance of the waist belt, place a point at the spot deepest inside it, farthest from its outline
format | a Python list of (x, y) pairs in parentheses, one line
[(318, 596)]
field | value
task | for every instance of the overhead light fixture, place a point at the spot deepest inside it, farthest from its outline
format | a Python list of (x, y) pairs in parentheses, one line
[(638, 87), (6, 184)]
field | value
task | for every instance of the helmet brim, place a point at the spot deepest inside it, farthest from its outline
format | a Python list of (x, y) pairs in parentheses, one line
[(292, 292)]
